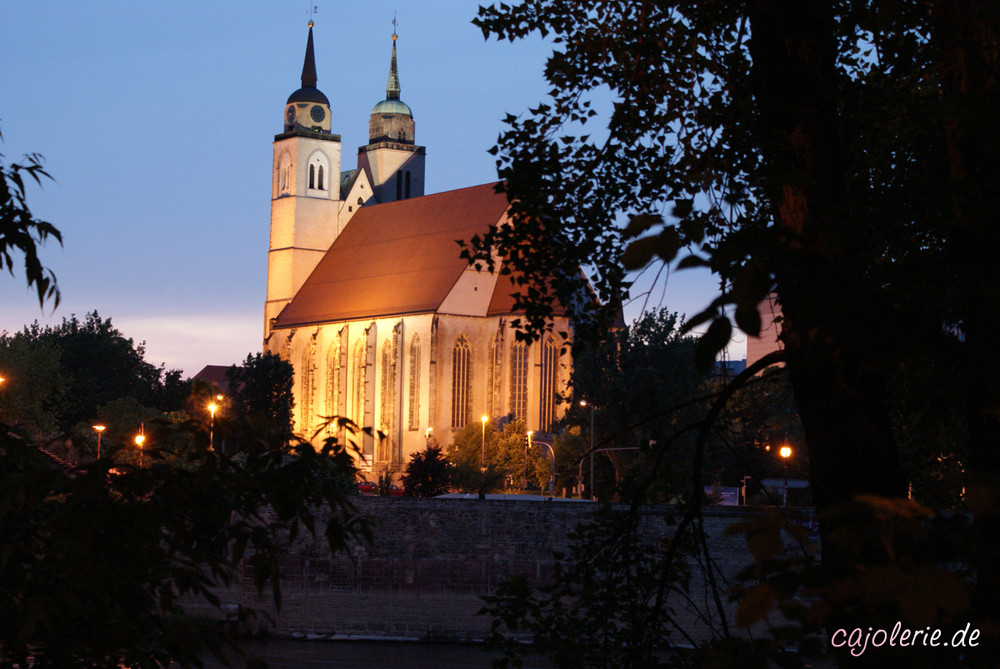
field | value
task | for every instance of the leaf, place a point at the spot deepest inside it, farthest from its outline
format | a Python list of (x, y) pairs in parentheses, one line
[(712, 342), (640, 223), (755, 605), (748, 319)]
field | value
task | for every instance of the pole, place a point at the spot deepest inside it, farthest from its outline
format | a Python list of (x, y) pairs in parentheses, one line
[(524, 471), (592, 496), (784, 500)]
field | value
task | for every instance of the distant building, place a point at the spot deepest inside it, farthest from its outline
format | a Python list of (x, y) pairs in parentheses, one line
[(770, 330), (369, 300)]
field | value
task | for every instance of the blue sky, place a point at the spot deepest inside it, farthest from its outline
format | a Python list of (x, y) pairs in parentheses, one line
[(156, 121)]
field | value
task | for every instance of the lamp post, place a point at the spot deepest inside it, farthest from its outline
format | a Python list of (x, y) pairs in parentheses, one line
[(212, 408), (139, 439), (524, 472), (584, 403), (99, 429), (482, 453), (552, 475), (785, 453)]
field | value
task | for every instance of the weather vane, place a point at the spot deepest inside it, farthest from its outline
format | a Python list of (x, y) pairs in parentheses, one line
[(313, 11), (394, 25)]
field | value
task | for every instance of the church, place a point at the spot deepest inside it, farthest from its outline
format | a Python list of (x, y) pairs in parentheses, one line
[(368, 298)]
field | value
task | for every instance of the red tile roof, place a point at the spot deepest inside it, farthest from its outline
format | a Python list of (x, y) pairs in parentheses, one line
[(395, 258)]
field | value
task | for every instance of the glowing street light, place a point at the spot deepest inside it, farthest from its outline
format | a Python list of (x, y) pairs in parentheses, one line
[(99, 429), (212, 408), (482, 453), (139, 439), (785, 452), (584, 403)]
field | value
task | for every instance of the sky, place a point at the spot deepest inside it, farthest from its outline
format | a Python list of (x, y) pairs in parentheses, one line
[(155, 120)]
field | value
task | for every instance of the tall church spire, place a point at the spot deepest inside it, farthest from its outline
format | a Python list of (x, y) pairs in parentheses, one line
[(309, 65), (392, 87)]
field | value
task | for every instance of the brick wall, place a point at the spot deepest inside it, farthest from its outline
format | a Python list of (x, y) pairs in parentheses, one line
[(431, 560)]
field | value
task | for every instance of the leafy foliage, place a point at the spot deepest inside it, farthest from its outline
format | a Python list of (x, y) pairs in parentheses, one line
[(428, 473), (20, 231), (261, 391), (95, 364), (643, 385), (99, 560), (837, 154), (504, 456), (604, 606)]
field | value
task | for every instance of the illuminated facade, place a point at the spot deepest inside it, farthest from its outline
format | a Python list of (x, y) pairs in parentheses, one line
[(368, 299)]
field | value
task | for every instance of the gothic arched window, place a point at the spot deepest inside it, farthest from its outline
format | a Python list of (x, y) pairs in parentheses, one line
[(333, 384), (414, 390), (494, 369), (547, 395), (461, 383), (308, 371), (519, 380), (358, 384), (386, 404)]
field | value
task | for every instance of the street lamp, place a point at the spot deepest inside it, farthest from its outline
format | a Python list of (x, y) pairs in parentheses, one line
[(139, 439), (524, 472), (212, 408), (482, 452), (584, 403), (99, 429), (785, 453)]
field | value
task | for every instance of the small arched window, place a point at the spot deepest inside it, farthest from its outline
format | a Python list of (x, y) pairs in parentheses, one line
[(407, 184), (319, 167)]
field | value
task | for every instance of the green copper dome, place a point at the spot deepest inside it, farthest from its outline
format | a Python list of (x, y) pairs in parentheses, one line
[(390, 106)]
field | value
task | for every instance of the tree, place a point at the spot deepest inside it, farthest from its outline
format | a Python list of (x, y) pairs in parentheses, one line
[(504, 456), (32, 383), (98, 561), (261, 391), (837, 154), (20, 231), (643, 385), (95, 364), (428, 473)]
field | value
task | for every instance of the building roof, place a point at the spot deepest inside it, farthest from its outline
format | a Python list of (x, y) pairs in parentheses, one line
[(396, 258), (214, 375)]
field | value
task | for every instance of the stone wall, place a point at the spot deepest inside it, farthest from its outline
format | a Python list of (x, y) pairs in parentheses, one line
[(432, 560)]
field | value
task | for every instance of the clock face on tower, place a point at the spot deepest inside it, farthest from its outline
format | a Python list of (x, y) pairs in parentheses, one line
[(317, 113), (290, 114)]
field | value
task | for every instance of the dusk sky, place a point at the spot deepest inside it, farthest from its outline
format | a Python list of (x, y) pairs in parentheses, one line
[(156, 121)]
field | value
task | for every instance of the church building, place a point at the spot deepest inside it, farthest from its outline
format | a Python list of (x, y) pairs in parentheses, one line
[(369, 300)]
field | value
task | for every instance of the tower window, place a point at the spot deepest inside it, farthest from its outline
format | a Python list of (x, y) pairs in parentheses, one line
[(407, 184), (319, 167), (399, 188)]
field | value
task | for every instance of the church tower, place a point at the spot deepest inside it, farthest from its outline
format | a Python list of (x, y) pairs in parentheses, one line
[(393, 162), (305, 191)]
